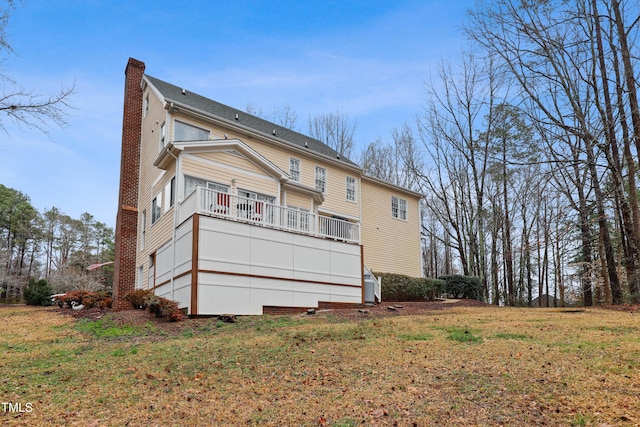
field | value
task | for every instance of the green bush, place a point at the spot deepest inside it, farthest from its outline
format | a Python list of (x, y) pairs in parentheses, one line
[(398, 287), (459, 286), (37, 292)]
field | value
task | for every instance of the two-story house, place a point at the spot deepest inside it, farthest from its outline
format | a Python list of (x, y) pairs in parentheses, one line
[(225, 212)]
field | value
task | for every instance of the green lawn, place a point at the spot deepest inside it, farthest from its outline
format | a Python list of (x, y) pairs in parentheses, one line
[(460, 366)]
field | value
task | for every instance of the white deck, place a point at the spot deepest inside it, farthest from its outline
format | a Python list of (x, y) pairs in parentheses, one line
[(242, 268), (239, 209)]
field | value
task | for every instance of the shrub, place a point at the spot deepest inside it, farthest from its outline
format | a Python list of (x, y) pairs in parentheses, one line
[(76, 296), (459, 286), (105, 303), (89, 299), (138, 298), (163, 307), (398, 287), (37, 292)]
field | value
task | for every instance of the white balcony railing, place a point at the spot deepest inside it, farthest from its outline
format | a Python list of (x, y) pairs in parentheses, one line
[(236, 208)]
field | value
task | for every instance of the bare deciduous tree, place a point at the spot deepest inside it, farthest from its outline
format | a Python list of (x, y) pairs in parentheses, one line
[(27, 107), (336, 130), (285, 116)]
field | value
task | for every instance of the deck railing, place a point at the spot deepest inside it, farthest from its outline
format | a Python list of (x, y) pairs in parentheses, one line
[(257, 212)]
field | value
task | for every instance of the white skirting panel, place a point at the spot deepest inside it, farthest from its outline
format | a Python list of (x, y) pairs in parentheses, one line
[(164, 261), (221, 293), (243, 268)]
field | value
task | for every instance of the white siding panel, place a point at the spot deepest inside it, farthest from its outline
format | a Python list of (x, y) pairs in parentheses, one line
[(220, 294), (271, 267), (164, 261), (270, 292), (164, 291), (182, 292)]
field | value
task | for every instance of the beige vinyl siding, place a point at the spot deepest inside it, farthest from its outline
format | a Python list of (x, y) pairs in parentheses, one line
[(232, 161), (152, 181), (335, 196), (257, 180), (391, 245), (299, 200)]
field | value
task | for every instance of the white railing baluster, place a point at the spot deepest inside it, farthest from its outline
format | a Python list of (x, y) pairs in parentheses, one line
[(236, 208)]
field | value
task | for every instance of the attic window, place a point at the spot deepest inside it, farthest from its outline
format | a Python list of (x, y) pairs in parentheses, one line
[(186, 132)]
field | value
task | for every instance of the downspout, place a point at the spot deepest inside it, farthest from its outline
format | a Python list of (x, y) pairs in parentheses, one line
[(177, 200), (176, 207), (420, 240)]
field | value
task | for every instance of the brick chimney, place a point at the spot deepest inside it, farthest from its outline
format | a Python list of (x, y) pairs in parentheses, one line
[(124, 275)]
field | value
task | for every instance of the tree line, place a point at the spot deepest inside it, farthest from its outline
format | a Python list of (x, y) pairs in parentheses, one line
[(533, 143), (527, 154), (52, 246)]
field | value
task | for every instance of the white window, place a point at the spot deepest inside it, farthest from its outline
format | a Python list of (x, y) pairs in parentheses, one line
[(351, 189), (169, 194), (256, 206), (163, 133), (146, 105), (220, 188), (297, 218), (294, 169), (186, 132), (321, 179), (398, 208), (144, 230), (256, 196), (216, 200), (172, 192), (156, 208), (190, 184)]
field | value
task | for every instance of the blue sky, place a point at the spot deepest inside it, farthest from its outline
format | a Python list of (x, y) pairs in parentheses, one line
[(367, 59)]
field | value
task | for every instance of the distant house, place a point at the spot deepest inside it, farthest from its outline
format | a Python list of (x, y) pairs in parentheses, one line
[(545, 301), (224, 212)]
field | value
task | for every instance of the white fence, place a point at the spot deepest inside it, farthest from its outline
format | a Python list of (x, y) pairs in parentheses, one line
[(236, 208)]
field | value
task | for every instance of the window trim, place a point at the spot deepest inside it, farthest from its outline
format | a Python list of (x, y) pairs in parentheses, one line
[(323, 181), (211, 185), (398, 211), (163, 135), (353, 190), (298, 218), (143, 236), (175, 128), (296, 175), (172, 192), (156, 208), (146, 105)]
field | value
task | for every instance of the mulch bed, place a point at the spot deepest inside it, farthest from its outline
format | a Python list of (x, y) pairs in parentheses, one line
[(383, 310), (386, 309)]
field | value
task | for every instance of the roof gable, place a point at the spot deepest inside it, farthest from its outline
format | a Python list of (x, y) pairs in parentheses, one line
[(173, 149)]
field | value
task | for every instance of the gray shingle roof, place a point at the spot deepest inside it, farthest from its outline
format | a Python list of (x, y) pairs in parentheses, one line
[(206, 105)]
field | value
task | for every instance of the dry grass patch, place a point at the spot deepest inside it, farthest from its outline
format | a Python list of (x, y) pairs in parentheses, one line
[(522, 367)]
